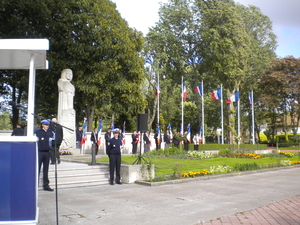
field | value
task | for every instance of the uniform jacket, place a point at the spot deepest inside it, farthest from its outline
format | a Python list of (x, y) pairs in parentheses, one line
[(43, 136), (115, 145)]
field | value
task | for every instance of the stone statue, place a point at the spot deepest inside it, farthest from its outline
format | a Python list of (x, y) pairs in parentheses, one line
[(66, 112)]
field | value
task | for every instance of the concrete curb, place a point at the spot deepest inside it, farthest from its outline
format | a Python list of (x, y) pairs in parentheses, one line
[(208, 177)]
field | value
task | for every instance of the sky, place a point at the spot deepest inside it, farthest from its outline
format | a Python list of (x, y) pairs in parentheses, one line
[(142, 14)]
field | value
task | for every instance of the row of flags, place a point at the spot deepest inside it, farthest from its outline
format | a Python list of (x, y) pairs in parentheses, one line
[(216, 95), (84, 134)]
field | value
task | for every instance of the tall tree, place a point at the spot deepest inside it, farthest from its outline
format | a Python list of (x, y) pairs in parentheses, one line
[(92, 39)]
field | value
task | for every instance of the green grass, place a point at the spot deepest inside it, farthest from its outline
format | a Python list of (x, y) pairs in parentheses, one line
[(166, 166)]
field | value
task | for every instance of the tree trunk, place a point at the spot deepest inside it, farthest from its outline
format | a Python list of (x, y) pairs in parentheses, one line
[(90, 111), (231, 124)]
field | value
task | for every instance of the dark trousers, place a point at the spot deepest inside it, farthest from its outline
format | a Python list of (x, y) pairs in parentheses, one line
[(114, 162), (134, 148), (44, 158), (196, 147), (186, 146), (55, 150)]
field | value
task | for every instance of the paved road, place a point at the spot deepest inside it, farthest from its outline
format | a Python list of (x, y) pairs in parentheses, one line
[(227, 200)]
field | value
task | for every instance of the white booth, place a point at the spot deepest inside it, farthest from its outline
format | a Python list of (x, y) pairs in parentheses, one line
[(18, 154)]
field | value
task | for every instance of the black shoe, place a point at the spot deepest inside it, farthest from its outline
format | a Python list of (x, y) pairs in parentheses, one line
[(111, 183), (52, 163), (48, 189), (118, 182), (58, 161)]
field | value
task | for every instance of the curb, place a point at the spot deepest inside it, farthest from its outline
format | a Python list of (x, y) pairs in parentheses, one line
[(208, 177)]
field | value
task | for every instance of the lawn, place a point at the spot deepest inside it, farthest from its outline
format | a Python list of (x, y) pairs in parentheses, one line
[(166, 166)]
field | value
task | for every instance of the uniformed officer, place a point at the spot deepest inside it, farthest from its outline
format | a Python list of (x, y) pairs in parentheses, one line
[(114, 153), (45, 137)]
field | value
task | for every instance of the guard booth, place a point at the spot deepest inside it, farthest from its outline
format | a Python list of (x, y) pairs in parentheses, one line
[(18, 154)]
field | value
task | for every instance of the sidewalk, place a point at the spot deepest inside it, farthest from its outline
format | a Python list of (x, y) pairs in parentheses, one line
[(271, 197)]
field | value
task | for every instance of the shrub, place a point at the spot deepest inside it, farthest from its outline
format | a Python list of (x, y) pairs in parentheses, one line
[(227, 153), (200, 155), (220, 169), (245, 166)]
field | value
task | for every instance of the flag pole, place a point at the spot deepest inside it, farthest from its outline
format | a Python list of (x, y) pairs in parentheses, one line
[(158, 98), (222, 119), (252, 106), (182, 125), (239, 119), (202, 99)]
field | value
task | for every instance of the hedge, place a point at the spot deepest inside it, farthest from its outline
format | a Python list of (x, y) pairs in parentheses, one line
[(205, 147)]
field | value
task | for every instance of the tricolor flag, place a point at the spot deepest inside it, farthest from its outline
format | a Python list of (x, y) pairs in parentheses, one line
[(199, 89), (99, 132), (84, 135), (158, 133), (170, 130), (250, 100), (112, 125), (216, 95), (234, 98), (188, 136), (200, 131), (183, 91), (124, 128), (157, 90)]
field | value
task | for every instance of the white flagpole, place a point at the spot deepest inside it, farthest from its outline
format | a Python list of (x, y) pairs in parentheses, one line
[(239, 119), (158, 90), (252, 106), (182, 125), (202, 99), (222, 120)]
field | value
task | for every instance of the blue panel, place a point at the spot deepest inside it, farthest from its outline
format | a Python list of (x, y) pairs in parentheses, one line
[(17, 181)]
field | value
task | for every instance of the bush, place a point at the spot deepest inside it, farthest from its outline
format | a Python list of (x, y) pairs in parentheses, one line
[(200, 155), (227, 153), (245, 167)]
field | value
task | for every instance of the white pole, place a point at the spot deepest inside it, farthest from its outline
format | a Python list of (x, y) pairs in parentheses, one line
[(158, 90), (222, 119), (252, 106), (182, 125), (239, 119), (202, 99), (31, 93)]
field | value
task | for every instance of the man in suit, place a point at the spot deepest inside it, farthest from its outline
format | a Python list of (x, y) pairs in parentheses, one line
[(135, 141)]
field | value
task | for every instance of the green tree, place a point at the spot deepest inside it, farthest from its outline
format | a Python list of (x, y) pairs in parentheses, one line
[(92, 39)]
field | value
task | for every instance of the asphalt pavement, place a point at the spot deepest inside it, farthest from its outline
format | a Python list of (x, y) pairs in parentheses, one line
[(271, 197)]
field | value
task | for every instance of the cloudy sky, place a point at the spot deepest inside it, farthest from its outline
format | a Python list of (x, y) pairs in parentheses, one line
[(143, 14)]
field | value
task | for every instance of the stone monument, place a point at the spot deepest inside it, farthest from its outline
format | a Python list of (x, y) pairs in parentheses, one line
[(66, 113)]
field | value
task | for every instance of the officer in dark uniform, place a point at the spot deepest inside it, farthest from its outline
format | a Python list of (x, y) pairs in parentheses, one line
[(54, 151), (114, 153), (45, 137)]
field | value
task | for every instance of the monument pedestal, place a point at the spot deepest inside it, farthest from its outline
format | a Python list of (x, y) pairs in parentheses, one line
[(67, 119)]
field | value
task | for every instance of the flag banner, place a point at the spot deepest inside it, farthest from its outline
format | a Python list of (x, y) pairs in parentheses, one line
[(84, 135), (200, 131), (112, 125), (99, 132), (181, 130), (233, 98), (157, 90), (188, 136), (183, 91), (250, 100), (170, 130), (199, 89), (124, 128), (216, 95)]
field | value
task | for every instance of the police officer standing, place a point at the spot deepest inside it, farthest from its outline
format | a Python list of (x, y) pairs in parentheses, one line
[(114, 153), (45, 137)]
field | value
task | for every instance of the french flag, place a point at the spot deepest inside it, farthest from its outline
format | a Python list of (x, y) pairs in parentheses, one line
[(199, 89), (183, 91), (216, 94), (157, 91), (234, 98), (250, 99)]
